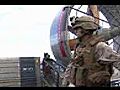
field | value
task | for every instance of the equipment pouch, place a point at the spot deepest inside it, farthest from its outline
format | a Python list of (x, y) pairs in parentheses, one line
[(81, 74), (72, 74)]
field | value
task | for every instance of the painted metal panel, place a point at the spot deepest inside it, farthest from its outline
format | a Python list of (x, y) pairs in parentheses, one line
[(28, 76)]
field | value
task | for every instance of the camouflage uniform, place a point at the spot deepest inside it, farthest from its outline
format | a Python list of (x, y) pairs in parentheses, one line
[(93, 60)]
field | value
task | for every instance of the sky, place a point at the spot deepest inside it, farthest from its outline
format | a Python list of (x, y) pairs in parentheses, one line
[(25, 29)]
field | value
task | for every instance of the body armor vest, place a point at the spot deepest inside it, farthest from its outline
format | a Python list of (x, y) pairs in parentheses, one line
[(88, 71)]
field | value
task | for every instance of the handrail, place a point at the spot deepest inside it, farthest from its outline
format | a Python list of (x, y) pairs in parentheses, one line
[(53, 68)]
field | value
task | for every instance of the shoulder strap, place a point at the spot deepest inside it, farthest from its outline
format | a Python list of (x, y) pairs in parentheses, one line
[(95, 40)]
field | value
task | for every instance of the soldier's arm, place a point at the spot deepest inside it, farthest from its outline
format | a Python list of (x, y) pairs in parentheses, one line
[(106, 54), (109, 33)]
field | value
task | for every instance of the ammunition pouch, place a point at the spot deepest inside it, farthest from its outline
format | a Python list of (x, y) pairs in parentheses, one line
[(81, 74)]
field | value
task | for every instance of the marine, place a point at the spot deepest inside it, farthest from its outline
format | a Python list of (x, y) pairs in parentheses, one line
[(92, 64)]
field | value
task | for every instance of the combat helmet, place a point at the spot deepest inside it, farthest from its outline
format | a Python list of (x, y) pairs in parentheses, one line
[(85, 22)]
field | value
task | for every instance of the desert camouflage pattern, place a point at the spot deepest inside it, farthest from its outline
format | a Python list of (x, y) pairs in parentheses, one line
[(86, 22), (93, 60), (88, 72)]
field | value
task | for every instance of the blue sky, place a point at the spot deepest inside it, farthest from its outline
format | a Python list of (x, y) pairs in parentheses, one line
[(25, 29)]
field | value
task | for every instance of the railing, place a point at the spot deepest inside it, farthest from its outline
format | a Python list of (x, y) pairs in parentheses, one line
[(56, 70)]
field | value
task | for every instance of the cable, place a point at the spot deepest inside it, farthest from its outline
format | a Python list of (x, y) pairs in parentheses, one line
[(78, 8), (88, 14)]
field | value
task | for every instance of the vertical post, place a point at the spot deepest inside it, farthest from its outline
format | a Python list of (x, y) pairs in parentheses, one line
[(37, 71), (93, 11)]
